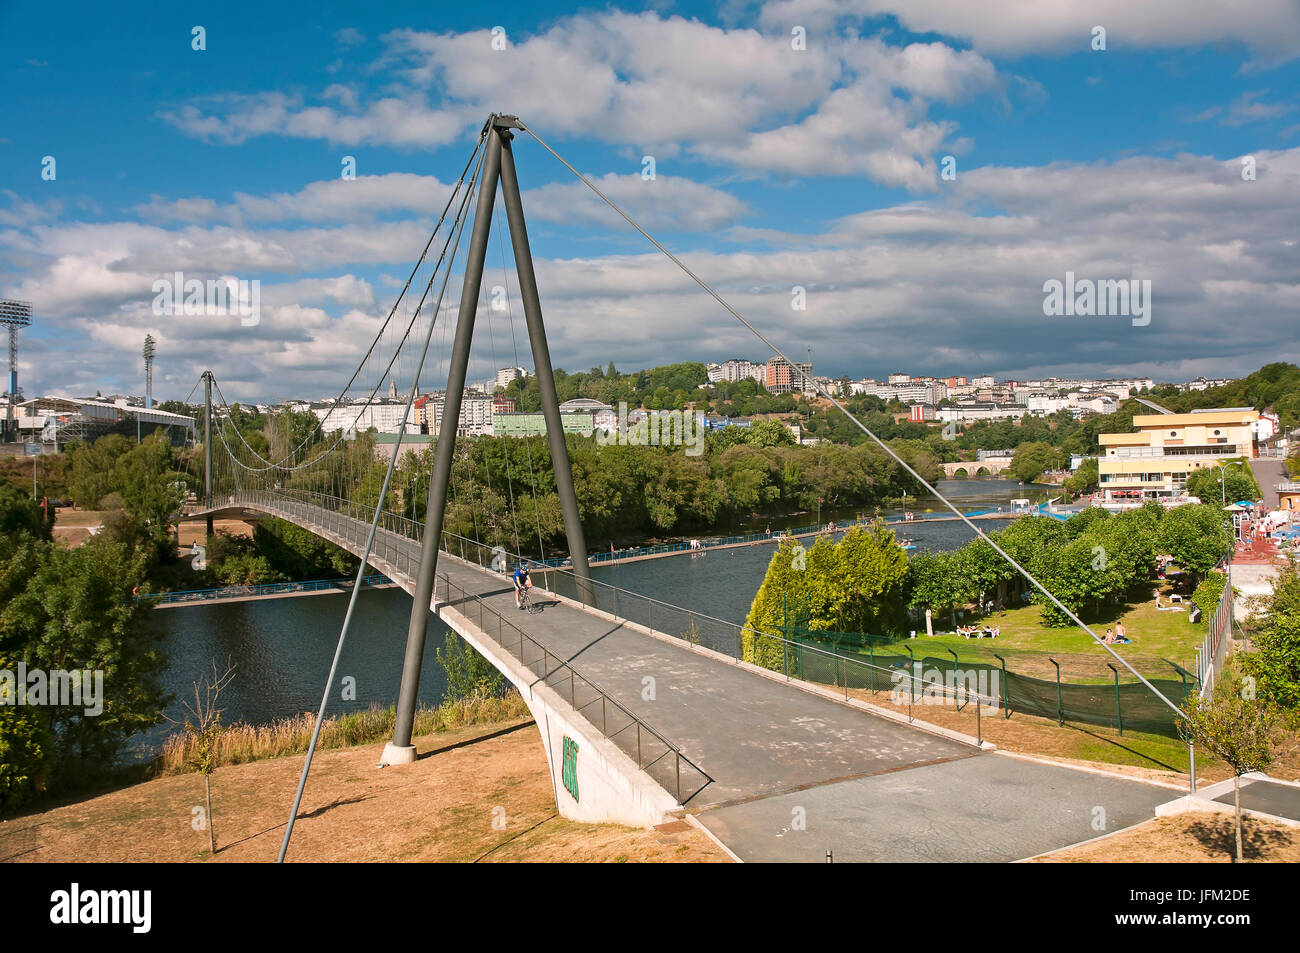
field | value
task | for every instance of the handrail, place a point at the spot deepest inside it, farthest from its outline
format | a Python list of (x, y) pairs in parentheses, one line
[(257, 589), (268, 500), (575, 673)]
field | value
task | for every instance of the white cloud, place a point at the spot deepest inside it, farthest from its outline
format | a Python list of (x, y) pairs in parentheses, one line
[(330, 200), (663, 203), (1269, 27), (649, 83)]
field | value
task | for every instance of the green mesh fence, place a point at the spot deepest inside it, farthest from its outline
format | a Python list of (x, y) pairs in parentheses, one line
[(876, 665)]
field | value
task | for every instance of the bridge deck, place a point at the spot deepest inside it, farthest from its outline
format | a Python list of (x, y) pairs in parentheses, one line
[(763, 741)]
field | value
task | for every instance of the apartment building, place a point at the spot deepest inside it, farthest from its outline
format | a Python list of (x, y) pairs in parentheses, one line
[(475, 419), (736, 369), (507, 375), (782, 377), (1153, 462)]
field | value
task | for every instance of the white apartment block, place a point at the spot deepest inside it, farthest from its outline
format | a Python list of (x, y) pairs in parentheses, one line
[(475, 418), (978, 411), (385, 416), (508, 374), (911, 392), (736, 369)]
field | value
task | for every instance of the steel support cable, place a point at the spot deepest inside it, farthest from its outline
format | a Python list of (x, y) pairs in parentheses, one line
[(492, 346), (528, 448), (514, 343), (487, 457), (339, 439), (861, 426), (361, 569), (378, 336), (349, 455)]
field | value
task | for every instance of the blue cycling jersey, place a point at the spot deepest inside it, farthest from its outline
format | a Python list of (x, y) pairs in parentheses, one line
[(521, 575)]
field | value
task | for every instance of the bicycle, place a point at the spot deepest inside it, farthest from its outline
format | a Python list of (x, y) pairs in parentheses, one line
[(526, 602)]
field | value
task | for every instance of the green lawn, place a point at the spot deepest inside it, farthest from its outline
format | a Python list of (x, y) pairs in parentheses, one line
[(1158, 638)]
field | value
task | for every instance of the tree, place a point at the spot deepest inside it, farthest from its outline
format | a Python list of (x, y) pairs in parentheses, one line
[(150, 486), (468, 672), (90, 476), (1207, 594), (1085, 479), (784, 586), (1242, 731), (1275, 663), (74, 609), (984, 569), (1074, 575), (203, 725), (19, 513), (1196, 536), (26, 749), (1208, 484), (936, 583), (296, 553), (865, 580), (769, 433), (1031, 459)]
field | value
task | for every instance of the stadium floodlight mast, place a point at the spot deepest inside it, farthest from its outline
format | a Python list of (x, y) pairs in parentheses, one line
[(149, 349), (13, 315)]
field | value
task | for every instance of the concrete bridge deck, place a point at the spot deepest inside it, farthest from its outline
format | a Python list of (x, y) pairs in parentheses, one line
[(868, 787)]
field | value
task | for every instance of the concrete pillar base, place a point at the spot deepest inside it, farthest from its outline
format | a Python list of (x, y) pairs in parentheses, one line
[(394, 754)]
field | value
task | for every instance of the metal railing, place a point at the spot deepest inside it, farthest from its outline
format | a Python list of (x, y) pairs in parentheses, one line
[(414, 529), (630, 732), (263, 589), (695, 629), (1210, 653)]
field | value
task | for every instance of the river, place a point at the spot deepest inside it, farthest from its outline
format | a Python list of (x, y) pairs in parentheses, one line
[(282, 648)]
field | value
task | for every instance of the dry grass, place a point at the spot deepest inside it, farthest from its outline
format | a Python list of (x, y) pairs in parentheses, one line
[(242, 743), (197, 531), (1202, 837), (481, 793)]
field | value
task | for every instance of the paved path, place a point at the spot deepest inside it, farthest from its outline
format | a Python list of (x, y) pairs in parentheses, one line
[(989, 808), (872, 788), (1268, 797), (1269, 472)]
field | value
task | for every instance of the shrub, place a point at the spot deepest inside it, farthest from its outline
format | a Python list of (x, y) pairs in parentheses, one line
[(1207, 594)]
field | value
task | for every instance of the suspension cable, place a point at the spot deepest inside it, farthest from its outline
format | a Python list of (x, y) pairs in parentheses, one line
[(378, 336), (370, 540), (861, 426)]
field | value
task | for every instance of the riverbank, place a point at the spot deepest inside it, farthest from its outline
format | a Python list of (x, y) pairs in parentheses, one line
[(481, 793)]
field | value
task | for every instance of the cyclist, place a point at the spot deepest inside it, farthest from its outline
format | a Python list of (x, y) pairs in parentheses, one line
[(522, 583)]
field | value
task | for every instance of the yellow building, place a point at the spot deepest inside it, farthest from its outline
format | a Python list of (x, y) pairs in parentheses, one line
[(1153, 462)]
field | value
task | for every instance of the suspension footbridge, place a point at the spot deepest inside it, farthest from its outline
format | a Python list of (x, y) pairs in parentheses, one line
[(646, 709), (657, 716)]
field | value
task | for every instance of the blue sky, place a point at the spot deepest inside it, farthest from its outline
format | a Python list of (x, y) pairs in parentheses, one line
[(776, 167)]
